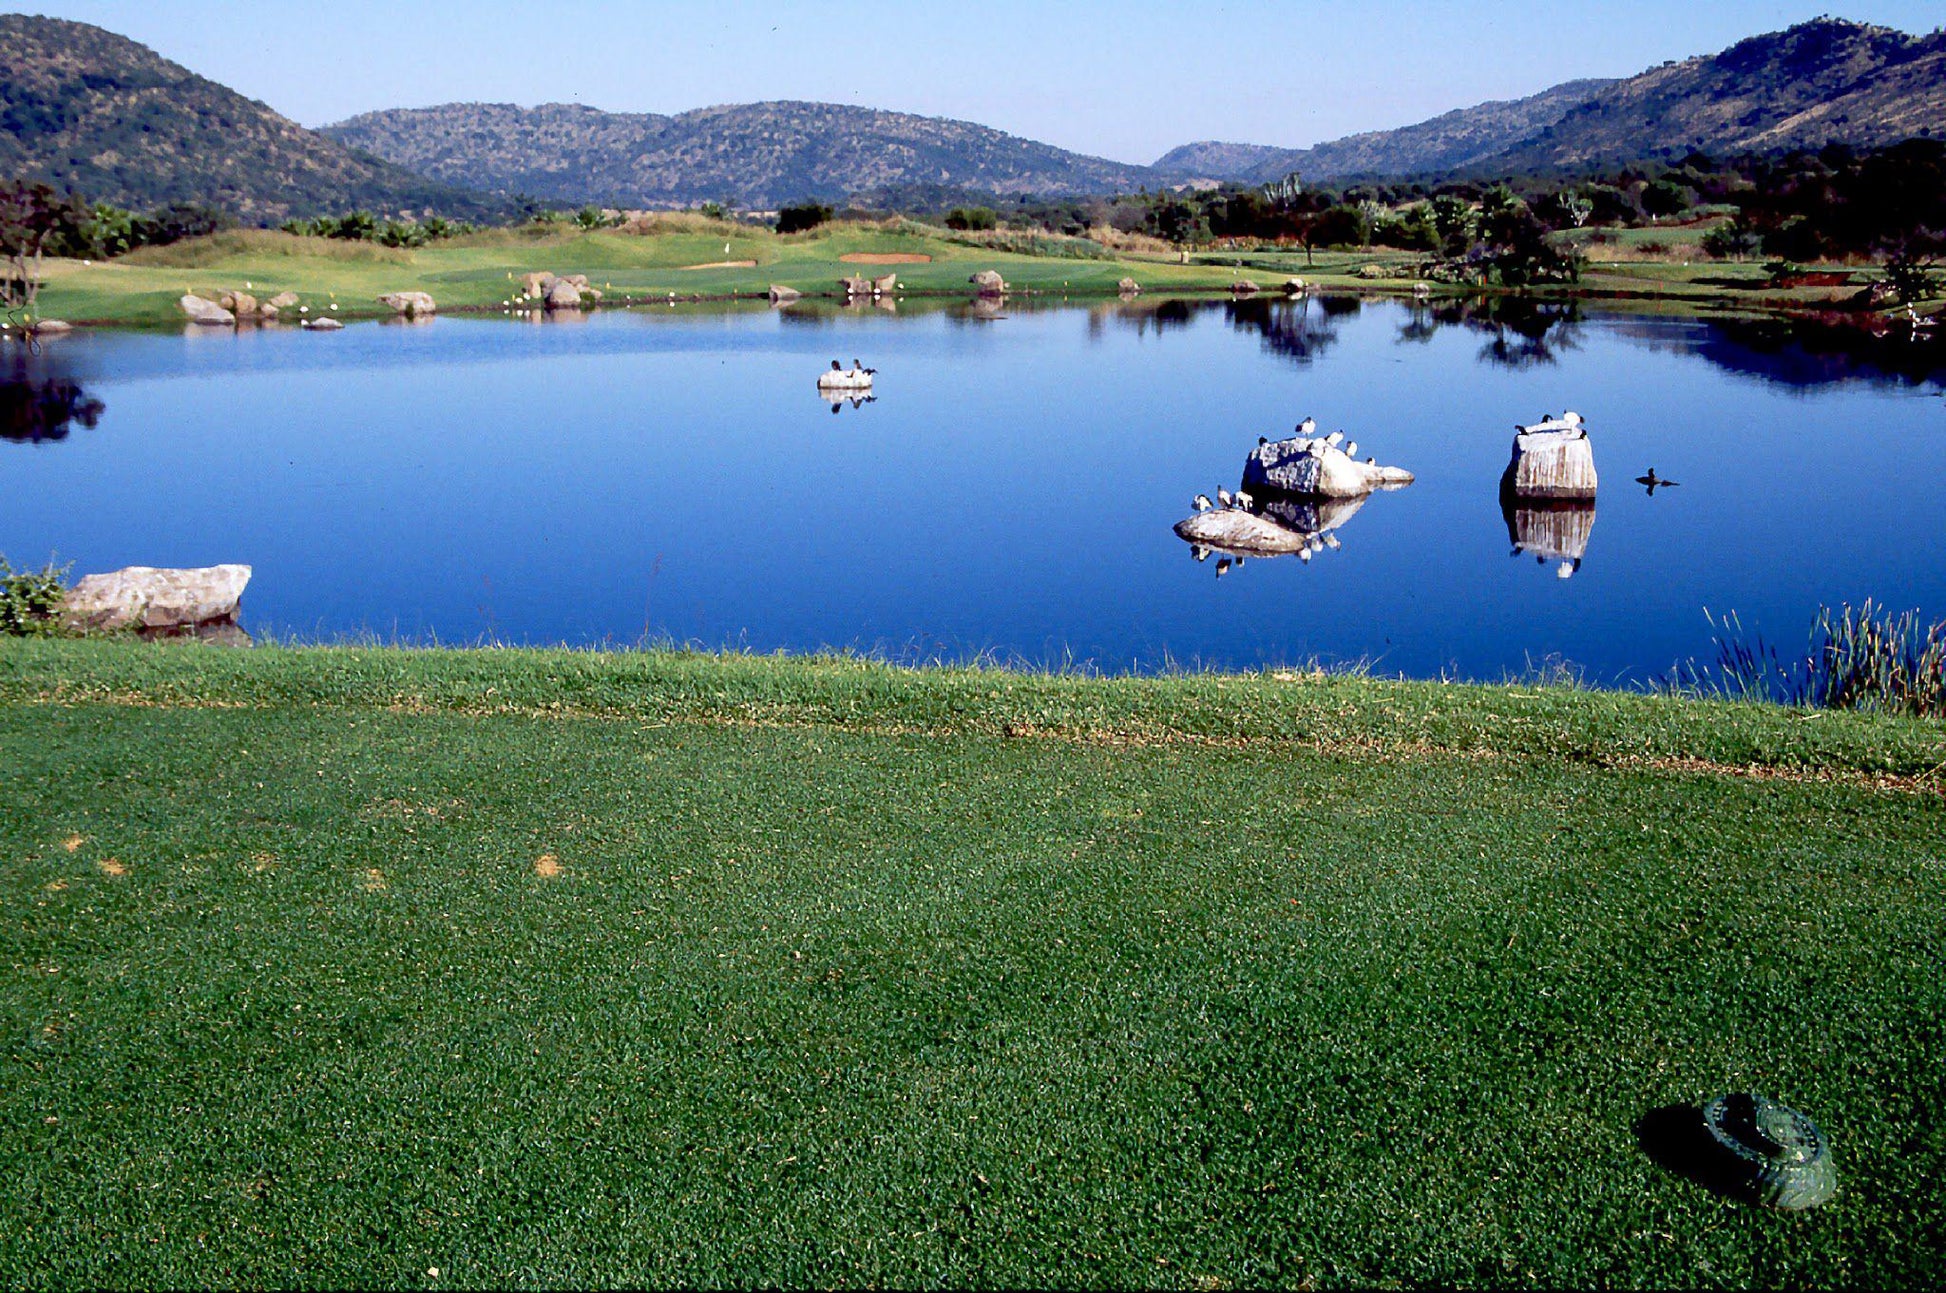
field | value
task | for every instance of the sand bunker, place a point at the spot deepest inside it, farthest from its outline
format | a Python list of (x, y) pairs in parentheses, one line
[(886, 258), (725, 264)]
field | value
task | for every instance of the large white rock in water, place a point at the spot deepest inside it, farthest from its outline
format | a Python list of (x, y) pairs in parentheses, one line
[(409, 303), (1313, 467), (206, 312), (148, 598), (1552, 460)]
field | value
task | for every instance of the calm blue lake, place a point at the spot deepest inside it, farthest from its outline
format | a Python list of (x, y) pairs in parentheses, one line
[(667, 474)]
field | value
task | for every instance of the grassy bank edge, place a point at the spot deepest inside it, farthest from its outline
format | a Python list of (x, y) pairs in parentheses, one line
[(1358, 717)]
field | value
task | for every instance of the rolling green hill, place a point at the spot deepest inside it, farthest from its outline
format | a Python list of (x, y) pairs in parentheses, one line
[(88, 110), (754, 154)]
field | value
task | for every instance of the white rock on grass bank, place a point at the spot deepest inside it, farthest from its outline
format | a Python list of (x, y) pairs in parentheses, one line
[(150, 598)]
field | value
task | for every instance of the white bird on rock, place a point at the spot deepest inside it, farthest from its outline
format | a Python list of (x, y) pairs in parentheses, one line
[(1307, 426), (1224, 497), (1243, 500), (1201, 503), (1351, 450), (1335, 439)]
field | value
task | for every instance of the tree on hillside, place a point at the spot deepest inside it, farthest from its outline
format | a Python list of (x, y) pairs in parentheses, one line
[(32, 216)]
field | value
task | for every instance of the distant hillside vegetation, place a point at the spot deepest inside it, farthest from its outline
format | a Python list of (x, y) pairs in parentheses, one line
[(1821, 81), (1449, 142), (757, 155), (85, 109)]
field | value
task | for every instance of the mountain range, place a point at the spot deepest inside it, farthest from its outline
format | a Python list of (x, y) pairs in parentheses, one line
[(93, 111), (1820, 81), (756, 154), (88, 110)]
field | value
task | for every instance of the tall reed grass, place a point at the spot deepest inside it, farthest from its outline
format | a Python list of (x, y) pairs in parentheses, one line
[(1858, 658)]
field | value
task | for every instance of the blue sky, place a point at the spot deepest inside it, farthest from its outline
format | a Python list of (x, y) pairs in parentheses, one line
[(1126, 79)]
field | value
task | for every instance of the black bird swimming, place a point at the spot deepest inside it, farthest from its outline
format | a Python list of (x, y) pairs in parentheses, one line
[(1652, 480)]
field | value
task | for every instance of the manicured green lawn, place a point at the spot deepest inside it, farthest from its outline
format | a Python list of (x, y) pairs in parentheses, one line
[(479, 272), (337, 966)]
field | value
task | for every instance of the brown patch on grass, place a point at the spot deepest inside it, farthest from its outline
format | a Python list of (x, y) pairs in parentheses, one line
[(547, 866), (374, 880), (73, 842), (55, 886), (724, 264), (112, 866), (886, 258), (261, 861), (1923, 784)]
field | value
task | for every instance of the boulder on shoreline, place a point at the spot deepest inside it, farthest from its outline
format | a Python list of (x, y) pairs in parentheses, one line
[(781, 295), (1244, 287), (563, 295), (1129, 287), (410, 304), (325, 324), (988, 282), (281, 301), (146, 597), (208, 313)]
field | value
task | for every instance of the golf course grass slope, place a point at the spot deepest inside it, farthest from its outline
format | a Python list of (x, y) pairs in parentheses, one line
[(346, 966)]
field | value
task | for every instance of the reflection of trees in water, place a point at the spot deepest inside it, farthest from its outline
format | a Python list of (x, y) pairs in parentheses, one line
[(39, 408), (1300, 330), (1144, 317), (1807, 353), (1521, 332)]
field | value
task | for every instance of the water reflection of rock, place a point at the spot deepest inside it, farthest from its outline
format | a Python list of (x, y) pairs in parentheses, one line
[(1549, 529), (1276, 527), (40, 409), (837, 399)]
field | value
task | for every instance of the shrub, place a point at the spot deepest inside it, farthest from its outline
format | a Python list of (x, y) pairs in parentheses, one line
[(802, 216), (972, 218), (30, 600)]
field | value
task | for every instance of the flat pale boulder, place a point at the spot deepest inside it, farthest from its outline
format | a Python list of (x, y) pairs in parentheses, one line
[(1128, 287), (1314, 467), (205, 312), (988, 282), (409, 303), (1244, 287), (326, 324), (781, 295), (51, 327), (886, 283), (1236, 531), (149, 598), (564, 295), (281, 301)]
